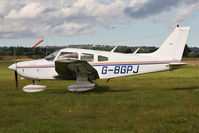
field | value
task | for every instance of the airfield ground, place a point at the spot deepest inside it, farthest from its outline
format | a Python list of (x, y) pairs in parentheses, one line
[(159, 102)]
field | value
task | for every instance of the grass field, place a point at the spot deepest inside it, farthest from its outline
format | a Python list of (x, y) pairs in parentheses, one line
[(159, 102)]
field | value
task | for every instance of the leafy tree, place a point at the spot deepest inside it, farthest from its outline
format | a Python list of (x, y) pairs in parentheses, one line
[(128, 50), (187, 50)]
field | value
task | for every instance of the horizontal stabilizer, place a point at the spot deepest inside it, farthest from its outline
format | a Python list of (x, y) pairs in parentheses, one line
[(176, 65)]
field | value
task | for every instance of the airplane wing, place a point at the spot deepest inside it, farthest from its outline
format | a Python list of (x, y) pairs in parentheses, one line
[(69, 69)]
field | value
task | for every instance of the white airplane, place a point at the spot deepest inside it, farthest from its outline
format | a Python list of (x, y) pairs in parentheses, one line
[(85, 65)]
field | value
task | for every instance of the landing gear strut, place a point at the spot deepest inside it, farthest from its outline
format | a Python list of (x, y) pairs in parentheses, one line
[(33, 82)]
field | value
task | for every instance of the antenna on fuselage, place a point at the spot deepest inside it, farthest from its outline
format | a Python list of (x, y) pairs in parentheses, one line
[(114, 48), (47, 47), (136, 51)]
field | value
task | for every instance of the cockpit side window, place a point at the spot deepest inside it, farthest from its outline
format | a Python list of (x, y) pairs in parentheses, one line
[(87, 57), (68, 55), (52, 56), (102, 58)]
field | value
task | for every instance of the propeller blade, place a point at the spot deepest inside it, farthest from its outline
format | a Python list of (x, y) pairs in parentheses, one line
[(16, 75), (41, 40), (16, 79), (14, 55)]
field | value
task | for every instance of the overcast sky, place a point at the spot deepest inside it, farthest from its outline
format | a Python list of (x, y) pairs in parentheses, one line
[(107, 22)]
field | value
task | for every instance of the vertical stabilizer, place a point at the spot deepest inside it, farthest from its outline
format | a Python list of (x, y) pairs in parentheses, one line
[(173, 47)]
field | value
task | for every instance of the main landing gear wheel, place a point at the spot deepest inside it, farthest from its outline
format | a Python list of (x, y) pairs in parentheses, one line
[(83, 84)]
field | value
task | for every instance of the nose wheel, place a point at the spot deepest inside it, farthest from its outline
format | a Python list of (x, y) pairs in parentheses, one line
[(34, 88)]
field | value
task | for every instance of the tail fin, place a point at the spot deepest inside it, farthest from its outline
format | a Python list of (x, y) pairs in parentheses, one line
[(173, 47)]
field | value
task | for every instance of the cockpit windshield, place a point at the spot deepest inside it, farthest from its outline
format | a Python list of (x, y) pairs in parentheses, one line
[(52, 56)]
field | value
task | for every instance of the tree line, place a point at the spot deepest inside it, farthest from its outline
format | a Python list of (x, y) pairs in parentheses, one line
[(43, 51)]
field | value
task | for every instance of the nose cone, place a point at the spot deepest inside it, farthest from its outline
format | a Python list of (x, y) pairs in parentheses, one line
[(12, 67)]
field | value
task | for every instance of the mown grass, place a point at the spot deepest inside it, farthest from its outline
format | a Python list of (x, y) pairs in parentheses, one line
[(158, 102)]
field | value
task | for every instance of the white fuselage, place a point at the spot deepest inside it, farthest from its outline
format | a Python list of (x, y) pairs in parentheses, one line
[(107, 64)]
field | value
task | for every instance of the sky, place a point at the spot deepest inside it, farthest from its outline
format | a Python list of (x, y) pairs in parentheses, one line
[(98, 22)]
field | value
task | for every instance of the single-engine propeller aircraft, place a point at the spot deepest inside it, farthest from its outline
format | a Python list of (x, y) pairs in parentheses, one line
[(85, 65)]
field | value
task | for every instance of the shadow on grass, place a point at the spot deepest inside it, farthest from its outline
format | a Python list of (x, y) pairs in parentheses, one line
[(98, 89), (188, 88), (58, 91), (104, 89)]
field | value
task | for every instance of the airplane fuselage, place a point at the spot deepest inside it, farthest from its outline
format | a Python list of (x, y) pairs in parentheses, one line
[(107, 64), (84, 65)]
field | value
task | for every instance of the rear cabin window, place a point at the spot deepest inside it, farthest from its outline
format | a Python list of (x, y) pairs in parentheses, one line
[(102, 58), (87, 57), (68, 55)]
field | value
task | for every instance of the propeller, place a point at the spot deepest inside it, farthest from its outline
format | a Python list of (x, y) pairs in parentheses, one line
[(16, 79), (16, 75), (15, 62)]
